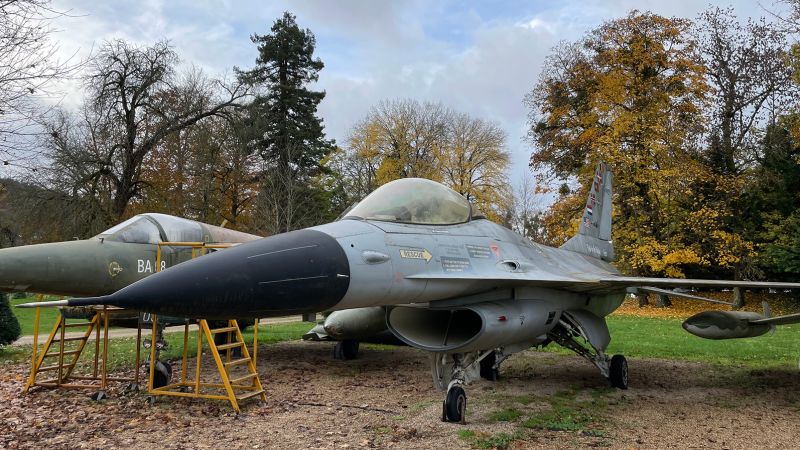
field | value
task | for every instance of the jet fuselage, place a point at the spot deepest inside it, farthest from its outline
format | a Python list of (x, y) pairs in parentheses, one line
[(354, 263)]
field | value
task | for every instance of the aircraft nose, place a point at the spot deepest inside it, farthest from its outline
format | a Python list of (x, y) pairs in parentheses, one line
[(295, 272), (55, 268)]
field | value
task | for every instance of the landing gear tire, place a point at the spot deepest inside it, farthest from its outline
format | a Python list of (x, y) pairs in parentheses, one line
[(488, 369), (346, 350), (161, 374), (455, 405), (618, 372)]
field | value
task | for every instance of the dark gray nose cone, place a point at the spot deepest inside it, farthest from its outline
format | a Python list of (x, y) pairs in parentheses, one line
[(291, 273)]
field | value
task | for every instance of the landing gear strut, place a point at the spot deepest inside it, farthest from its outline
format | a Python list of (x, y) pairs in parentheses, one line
[(162, 372), (615, 369)]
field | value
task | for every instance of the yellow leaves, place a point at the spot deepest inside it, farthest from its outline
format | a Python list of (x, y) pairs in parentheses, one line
[(683, 308), (731, 248), (653, 257), (407, 139)]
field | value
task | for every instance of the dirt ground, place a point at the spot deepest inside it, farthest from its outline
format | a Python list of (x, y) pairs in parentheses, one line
[(385, 399)]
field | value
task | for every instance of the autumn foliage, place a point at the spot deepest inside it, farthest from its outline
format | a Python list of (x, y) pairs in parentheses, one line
[(643, 94)]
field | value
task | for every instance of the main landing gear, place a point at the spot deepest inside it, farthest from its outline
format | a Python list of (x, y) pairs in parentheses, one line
[(571, 335), (346, 350), (162, 372), (454, 371)]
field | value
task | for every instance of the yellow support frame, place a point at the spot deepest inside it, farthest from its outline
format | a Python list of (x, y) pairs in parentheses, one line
[(65, 371), (195, 388)]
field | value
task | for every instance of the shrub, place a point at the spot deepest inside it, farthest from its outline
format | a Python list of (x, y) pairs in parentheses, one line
[(9, 326)]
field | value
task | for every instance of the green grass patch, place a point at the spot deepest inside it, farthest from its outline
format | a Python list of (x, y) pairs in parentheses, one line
[(567, 413), (646, 337), (505, 415), (559, 418), (482, 440), (13, 355), (26, 316)]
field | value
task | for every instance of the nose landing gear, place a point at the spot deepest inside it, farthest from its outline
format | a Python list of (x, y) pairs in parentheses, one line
[(454, 372)]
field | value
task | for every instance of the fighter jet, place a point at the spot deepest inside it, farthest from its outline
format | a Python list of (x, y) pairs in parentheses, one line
[(109, 261), (113, 259), (453, 283)]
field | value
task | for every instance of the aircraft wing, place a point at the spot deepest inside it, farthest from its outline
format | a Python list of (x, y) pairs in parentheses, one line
[(587, 283), (688, 282)]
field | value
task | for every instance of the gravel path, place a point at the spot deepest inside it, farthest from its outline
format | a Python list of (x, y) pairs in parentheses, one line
[(385, 400)]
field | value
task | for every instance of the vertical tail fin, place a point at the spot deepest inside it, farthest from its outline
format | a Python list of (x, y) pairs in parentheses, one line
[(594, 234)]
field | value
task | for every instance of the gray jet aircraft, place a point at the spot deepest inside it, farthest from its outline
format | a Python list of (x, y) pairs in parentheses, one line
[(467, 290)]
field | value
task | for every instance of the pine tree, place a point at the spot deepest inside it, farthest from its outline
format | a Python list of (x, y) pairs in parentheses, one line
[(284, 118), (283, 127), (9, 326)]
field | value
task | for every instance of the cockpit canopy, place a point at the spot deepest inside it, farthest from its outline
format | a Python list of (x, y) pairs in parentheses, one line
[(144, 229), (415, 201)]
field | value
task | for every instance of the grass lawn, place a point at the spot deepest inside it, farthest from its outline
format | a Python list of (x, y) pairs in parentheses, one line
[(25, 316)]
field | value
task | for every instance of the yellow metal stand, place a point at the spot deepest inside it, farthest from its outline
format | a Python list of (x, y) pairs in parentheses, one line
[(246, 381), (68, 351)]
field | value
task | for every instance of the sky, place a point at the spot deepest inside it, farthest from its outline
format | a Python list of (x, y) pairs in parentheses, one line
[(479, 58)]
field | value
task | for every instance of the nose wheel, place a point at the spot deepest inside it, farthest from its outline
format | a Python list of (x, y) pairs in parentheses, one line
[(455, 405)]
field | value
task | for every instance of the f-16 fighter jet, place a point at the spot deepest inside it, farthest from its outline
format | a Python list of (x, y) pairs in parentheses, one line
[(467, 290)]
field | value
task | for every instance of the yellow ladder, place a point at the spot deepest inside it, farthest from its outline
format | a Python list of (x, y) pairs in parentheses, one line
[(240, 379), (227, 367), (62, 367)]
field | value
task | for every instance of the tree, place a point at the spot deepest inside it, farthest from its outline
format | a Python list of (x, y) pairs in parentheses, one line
[(283, 126), (205, 172), (473, 161), (9, 326), (28, 67), (771, 200), (748, 72), (631, 94), (405, 138), (136, 101), (525, 215)]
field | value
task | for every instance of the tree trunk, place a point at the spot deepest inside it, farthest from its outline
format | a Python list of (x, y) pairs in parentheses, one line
[(738, 298), (663, 301)]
